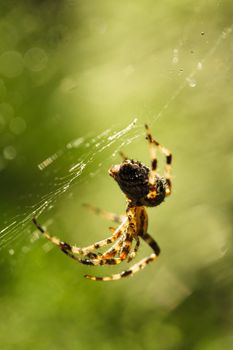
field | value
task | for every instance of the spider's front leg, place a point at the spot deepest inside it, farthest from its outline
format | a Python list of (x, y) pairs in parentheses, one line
[(86, 251)]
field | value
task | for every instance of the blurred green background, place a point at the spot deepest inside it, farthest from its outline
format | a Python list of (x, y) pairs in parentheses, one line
[(70, 71)]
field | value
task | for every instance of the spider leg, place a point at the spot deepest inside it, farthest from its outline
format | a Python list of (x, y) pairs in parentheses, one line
[(123, 245), (97, 262), (112, 229), (114, 250), (127, 243), (134, 252), (153, 144), (135, 268), (151, 242), (110, 253), (105, 214), (123, 156), (86, 251), (152, 149), (106, 258), (126, 246), (115, 235)]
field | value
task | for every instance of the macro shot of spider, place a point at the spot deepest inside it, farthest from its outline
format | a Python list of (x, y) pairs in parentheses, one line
[(143, 187)]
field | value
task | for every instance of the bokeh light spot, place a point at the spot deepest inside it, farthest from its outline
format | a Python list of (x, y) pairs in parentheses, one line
[(11, 251), (191, 82), (35, 59), (9, 152)]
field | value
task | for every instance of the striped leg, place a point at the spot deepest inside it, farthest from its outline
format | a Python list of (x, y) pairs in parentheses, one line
[(126, 246), (115, 249), (135, 268), (153, 144), (105, 214), (98, 262), (151, 242), (122, 247), (134, 252), (116, 234), (86, 251), (130, 272), (152, 149), (123, 255), (107, 258)]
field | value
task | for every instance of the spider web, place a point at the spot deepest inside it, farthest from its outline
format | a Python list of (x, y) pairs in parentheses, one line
[(109, 141), (85, 151)]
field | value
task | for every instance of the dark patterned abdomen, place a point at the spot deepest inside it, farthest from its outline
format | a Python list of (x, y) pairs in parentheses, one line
[(133, 179)]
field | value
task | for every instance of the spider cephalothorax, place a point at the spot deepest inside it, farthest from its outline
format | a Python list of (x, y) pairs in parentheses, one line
[(143, 187), (133, 179)]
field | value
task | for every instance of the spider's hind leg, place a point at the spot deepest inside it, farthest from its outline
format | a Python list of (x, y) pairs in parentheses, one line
[(152, 148), (153, 145)]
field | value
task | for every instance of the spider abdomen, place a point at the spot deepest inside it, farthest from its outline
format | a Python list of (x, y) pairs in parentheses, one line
[(133, 180)]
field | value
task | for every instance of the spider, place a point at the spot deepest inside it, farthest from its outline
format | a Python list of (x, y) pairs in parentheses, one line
[(143, 187)]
